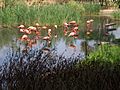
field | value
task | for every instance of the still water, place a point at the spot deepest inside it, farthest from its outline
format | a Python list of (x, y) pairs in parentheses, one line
[(64, 45)]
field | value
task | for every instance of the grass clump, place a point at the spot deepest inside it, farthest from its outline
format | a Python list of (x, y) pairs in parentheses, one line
[(92, 8), (51, 14), (107, 53)]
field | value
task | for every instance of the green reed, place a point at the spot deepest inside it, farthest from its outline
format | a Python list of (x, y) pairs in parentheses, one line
[(92, 8), (108, 53), (51, 14)]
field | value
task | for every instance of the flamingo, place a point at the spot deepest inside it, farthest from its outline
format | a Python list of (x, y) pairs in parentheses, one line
[(66, 25), (31, 28), (44, 27), (75, 28), (27, 31), (37, 33), (46, 38), (88, 33), (75, 25), (49, 32), (37, 25), (65, 32), (91, 20), (55, 26), (72, 22), (55, 36), (22, 30), (91, 25), (21, 26), (24, 38), (72, 34), (88, 21)]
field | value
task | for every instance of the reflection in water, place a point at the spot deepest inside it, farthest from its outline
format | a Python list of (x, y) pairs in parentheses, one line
[(67, 40)]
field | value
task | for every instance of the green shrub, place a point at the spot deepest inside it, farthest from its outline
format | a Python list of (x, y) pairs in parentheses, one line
[(106, 53)]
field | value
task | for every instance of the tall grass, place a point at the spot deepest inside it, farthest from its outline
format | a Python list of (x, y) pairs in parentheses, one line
[(108, 53), (92, 8), (44, 14)]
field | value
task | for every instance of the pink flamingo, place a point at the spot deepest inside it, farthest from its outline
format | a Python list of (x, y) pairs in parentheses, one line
[(65, 32), (24, 38), (27, 31), (88, 33), (72, 22), (55, 26), (21, 26), (55, 36), (37, 25), (37, 33), (49, 32), (22, 30), (73, 33), (46, 38), (31, 28), (66, 25), (44, 27)]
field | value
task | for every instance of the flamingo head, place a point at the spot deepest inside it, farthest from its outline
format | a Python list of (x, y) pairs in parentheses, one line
[(55, 26), (21, 26), (37, 25), (91, 20)]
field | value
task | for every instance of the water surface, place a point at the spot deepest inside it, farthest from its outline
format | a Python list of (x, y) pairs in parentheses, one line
[(9, 42)]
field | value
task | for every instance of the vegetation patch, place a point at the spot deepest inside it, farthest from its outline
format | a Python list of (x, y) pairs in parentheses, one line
[(21, 13), (40, 71)]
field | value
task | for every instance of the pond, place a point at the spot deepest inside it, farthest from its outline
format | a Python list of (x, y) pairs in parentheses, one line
[(63, 44)]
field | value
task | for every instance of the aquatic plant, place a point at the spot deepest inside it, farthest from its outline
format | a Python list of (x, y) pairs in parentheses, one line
[(108, 53), (51, 14)]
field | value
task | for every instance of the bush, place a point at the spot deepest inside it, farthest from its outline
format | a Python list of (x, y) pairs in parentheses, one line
[(35, 71), (107, 53)]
